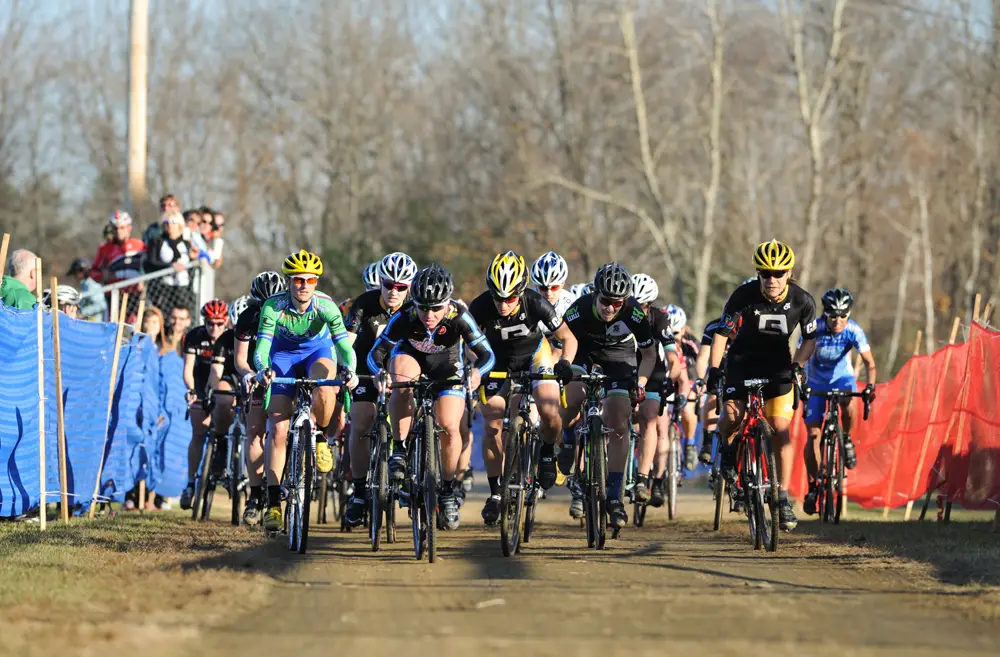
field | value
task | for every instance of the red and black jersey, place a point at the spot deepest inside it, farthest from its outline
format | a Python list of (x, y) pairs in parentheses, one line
[(198, 343), (123, 261)]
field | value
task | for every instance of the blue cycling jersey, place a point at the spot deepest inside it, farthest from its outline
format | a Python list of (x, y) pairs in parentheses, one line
[(830, 365)]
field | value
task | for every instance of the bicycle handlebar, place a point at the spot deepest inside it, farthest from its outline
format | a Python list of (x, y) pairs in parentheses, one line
[(838, 395)]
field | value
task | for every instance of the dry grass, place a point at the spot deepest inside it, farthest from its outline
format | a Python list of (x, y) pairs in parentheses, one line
[(118, 582)]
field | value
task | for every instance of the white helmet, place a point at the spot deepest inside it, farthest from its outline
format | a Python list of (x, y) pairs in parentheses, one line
[(550, 269), (370, 276), (578, 290), (678, 318), (120, 218), (237, 307), (644, 288), (396, 267), (67, 295), (752, 279)]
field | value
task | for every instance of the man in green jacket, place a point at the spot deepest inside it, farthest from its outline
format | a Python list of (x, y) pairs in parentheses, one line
[(17, 290)]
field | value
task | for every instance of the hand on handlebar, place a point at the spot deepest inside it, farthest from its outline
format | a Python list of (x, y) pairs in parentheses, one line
[(475, 378), (563, 371), (714, 377), (869, 393), (264, 377), (248, 383), (637, 394)]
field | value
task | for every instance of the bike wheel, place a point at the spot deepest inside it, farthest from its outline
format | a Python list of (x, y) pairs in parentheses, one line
[(308, 471), (747, 477), (598, 480), (430, 486), (390, 516), (512, 487), (719, 491), (531, 496), (322, 500), (837, 487), (414, 476), (235, 494), (825, 499), (767, 488), (202, 507), (294, 506), (377, 497), (673, 470)]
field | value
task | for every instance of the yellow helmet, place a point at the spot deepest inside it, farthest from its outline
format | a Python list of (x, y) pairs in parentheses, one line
[(507, 275), (302, 262), (774, 255)]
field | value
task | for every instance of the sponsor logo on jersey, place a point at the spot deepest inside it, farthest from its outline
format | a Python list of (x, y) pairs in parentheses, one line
[(427, 346), (573, 314), (516, 331), (786, 306), (811, 327), (729, 321), (637, 314), (441, 330), (493, 386), (360, 390), (618, 330), (772, 324)]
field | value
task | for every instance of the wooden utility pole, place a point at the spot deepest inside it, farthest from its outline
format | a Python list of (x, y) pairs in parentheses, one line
[(138, 79)]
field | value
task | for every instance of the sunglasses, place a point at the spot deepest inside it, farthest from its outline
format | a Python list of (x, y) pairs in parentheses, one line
[(395, 287), (511, 299), (838, 315), (216, 324), (548, 288), (771, 273), (430, 308), (614, 304), (305, 280)]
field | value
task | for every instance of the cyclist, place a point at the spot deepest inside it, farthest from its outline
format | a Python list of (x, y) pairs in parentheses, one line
[(299, 331), (426, 337), (830, 369), (370, 277), (769, 308), (689, 347), (264, 285), (68, 298), (198, 345), (608, 325), (367, 318), (511, 317), (661, 382)]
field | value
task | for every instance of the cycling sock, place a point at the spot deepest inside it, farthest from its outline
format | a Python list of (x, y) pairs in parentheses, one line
[(448, 487), (569, 437), (614, 485), (256, 493), (548, 450), (494, 483), (321, 438), (783, 496), (642, 479), (273, 496), (658, 481), (360, 486)]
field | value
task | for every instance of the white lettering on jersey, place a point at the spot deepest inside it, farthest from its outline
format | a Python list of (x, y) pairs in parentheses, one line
[(520, 330), (773, 324)]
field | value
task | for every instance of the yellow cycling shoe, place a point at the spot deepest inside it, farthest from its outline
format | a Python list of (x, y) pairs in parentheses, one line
[(560, 478), (324, 457), (272, 520)]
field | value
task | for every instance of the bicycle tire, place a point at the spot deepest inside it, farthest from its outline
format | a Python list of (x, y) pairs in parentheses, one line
[(308, 470), (719, 490), (589, 519), (430, 487), (837, 487), (825, 498), (202, 507), (376, 498), (235, 494), (673, 470), (294, 482), (746, 479), (512, 502), (531, 502), (390, 516), (769, 492), (322, 500), (598, 469), (415, 475)]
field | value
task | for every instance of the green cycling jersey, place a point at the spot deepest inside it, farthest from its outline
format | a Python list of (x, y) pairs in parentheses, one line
[(283, 328)]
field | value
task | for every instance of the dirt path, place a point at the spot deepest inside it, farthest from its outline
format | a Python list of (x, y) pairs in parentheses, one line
[(679, 589)]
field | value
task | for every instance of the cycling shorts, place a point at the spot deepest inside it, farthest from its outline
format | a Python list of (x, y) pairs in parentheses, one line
[(779, 395), (297, 363), (436, 367), (540, 362), (817, 405)]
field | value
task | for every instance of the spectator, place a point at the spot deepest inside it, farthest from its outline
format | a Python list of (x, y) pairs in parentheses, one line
[(153, 324), (172, 251), (192, 233), (215, 246), (178, 322), (109, 233), (121, 258), (18, 286), (92, 303), (154, 230)]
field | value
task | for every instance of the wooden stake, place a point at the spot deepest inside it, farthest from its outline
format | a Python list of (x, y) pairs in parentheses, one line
[(60, 411), (141, 506), (41, 394), (906, 414), (138, 315), (3, 254), (985, 319), (934, 406), (111, 399), (975, 307)]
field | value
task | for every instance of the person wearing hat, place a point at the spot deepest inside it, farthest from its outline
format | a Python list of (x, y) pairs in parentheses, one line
[(175, 252), (92, 302)]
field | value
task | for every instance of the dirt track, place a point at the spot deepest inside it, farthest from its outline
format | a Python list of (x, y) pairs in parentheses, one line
[(679, 589)]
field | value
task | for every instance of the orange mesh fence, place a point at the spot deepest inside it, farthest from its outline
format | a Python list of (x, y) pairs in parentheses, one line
[(935, 425)]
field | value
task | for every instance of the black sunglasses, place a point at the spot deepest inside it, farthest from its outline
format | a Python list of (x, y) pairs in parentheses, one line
[(504, 299), (430, 308), (395, 287), (771, 273), (838, 315)]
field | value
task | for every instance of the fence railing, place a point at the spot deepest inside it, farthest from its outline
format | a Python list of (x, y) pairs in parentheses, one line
[(166, 289)]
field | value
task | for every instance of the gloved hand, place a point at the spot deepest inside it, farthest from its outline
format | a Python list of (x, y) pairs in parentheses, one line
[(208, 401), (249, 382), (798, 374), (637, 394), (563, 371), (669, 387), (869, 393), (714, 378)]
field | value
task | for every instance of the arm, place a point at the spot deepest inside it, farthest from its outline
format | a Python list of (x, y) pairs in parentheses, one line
[(241, 358), (353, 320), (869, 361), (265, 336), (718, 349), (648, 362), (704, 354), (807, 322), (569, 341), (215, 375), (189, 370), (344, 346), (674, 367), (384, 343), (477, 342), (805, 351)]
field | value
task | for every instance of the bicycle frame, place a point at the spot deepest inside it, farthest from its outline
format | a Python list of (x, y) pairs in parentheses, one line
[(830, 471)]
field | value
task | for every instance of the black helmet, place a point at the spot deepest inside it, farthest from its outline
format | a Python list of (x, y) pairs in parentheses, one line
[(79, 266), (613, 281), (267, 284), (837, 301), (432, 285)]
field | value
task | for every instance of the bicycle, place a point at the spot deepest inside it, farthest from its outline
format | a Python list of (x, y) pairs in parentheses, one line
[(831, 475), (521, 455), (216, 467), (423, 461), (757, 476), (300, 465), (235, 479), (382, 491)]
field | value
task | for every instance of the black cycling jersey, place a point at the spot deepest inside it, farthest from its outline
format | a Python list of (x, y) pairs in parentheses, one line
[(515, 338), (613, 341), (367, 318), (224, 353), (765, 326), (407, 332), (659, 326), (198, 343), (710, 330), (246, 328)]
